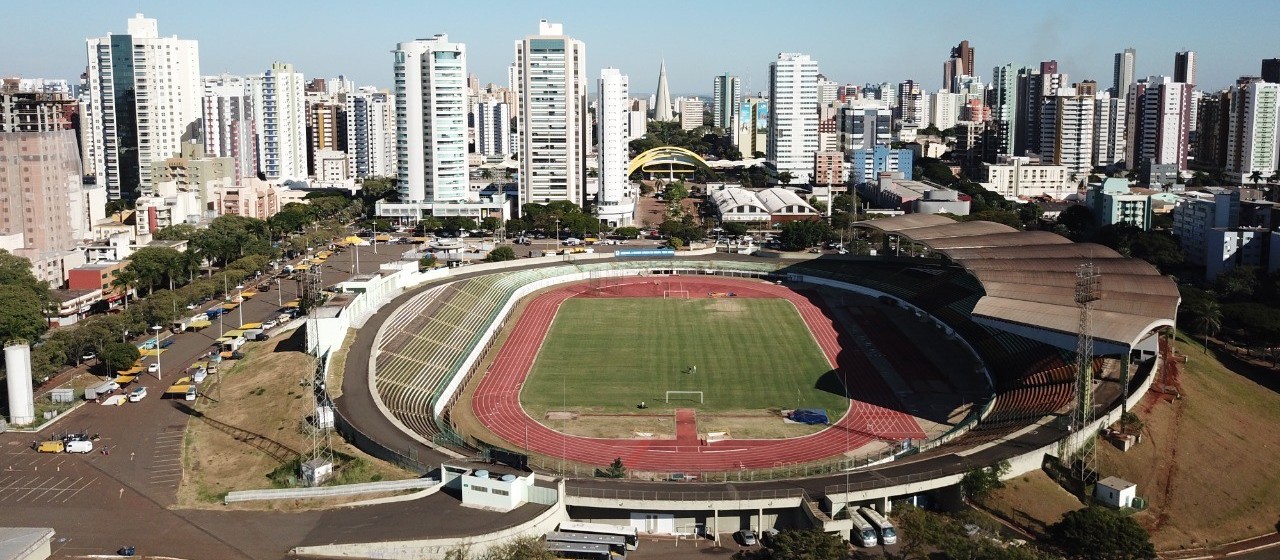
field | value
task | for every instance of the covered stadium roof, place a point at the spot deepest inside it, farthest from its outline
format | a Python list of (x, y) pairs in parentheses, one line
[(1029, 277)]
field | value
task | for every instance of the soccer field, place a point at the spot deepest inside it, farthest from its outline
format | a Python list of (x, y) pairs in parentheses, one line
[(606, 355)]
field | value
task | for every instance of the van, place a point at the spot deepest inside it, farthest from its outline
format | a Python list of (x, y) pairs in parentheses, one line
[(79, 446), (191, 393), (51, 446)]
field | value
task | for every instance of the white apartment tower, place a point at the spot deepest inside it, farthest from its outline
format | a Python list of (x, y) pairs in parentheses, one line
[(431, 120), (280, 115), (1122, 74), (1066, 131), (1253, 144), (793, 126), (615, 203), (552, 115), (229, 131), (691, 109), (493, 127), (726, 94), (371, 136), (945, 108), (144, 99), (1108, 129)]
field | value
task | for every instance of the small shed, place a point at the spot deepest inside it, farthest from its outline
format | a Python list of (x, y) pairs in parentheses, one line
[(1115, 492)]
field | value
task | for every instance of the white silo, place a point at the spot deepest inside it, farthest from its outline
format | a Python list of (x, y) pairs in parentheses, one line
[(17, 364)]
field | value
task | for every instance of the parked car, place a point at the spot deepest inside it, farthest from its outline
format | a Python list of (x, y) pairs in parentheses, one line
[(166, 343), (153, 368), (51, 446), (747, 537), (269, 324), (191, 306), (137, 394), (88, 356), (191, 393)]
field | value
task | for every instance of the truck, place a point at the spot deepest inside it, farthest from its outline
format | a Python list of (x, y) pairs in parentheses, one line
[(215, 312), (180, 325), (103, 389)]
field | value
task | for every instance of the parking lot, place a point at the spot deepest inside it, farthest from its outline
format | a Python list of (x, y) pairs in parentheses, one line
[(28, 477)]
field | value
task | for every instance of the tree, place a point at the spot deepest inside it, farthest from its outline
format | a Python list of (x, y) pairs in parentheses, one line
[(1238, 283), (124, 282), (503, 253), (491, 224), (428, 262), (735, 229), (785, 177), (627, 232), (615, 470), (176, 232), (16, 271), (156, 265), (1101, 533), (528, 547), (806, 544), (119, 355), (21, 315), (676, 243), (977, 484), (1079, 220), (1256, 177), (802, 234), (458, 223)]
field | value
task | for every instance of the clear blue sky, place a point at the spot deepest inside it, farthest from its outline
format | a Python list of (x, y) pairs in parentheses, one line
[(853, 41)]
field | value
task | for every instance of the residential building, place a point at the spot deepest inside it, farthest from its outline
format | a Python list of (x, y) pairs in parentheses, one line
[(98, 276), (1015, 177), (662, 109), (867, 164), (1159, 126), (252, 198), (1108, 129), (144, 100), (552, 80), (1066, 131), (960, 64), (1184, 67), (1033, 88), (913, 105), (279, 114), (615, 199), (1213, 124), (371, 134), (1003, 100), (42, 196), (726, 94), (793, 127), (828, 134), (1271, 70), (751, 127), (1195, 214), (828, 168), (1123, 74), (864, 124), (194, 171), (431, 120), (945, 109), (1253, 139), (1113, 203), (164, 204), (22, 111), (229, 129), (691, 116), (493, 127), (326, 128)]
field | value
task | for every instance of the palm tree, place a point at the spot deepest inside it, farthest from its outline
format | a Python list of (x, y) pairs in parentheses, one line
[(1256, 177), (1275, 177), (125, 281), (1206, 317)]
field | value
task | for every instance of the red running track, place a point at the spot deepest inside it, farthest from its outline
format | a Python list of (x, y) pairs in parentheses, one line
[(497, 400)]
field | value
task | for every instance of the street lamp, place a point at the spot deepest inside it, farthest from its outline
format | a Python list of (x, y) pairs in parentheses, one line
[(557, 235), (157, 329), (240, 303)]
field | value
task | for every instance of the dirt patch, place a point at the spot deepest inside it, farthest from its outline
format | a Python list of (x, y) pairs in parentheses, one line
[(338, 364), (1033, 501), (561, 415), (253, 422)]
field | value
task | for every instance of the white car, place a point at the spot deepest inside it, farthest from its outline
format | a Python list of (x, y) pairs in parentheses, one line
[(88, 356), (270, 324), (153, 368), (137, 394)]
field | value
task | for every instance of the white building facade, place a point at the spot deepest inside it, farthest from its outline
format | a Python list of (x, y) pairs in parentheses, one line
[(552, 92), (144, 100), (615, 201), (229, 130), (1066, 131), (493, 127), (793, 126), (1108, 129), (431, 120), (280, 115), (726, 94), (371, 135), (1253, 144)]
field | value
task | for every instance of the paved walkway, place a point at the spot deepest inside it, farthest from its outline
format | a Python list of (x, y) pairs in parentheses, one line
[(686, 427)]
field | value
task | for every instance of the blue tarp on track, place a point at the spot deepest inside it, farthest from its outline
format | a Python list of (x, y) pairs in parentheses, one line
[(810, 416)]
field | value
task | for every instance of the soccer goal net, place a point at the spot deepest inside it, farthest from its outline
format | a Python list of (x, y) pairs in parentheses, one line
[(675, 294), (684, 395)]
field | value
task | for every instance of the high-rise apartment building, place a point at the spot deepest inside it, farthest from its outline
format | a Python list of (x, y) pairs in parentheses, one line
[(1123, 72), (371, 134), (1212, 128), (1253, 139), (864, 124), (691, 109), (1184, 67), (726, 94), (1033, 88), (960, 64), (493, 127), (793, 126), (1066, 131), (912, 107), (1108, 129), (326, 128), (431, 120), (1158, 126), (615, 201), (280, 115), (552, 81), (1003, 101), (144, 100), (229, 130), (945, 109)]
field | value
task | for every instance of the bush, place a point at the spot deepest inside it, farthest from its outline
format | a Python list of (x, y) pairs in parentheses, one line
[(503, 253), (1102, 533)]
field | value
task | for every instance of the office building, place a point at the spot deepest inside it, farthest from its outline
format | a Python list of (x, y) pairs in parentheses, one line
[(431, 120), (1123, 72), (726, 94), (912, 106), (864, 124), (196, 171), (279, 114), (144, 100), (793, 126), (691, 116), (229, 130), (662, 109), (552, 81), (1253, 139), (1184, 67), (371, 134), (615, 200)]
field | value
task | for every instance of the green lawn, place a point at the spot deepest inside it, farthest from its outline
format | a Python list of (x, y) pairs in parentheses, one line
[(607, 355)]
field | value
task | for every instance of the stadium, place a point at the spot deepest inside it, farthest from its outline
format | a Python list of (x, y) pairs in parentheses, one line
[(751, 392)]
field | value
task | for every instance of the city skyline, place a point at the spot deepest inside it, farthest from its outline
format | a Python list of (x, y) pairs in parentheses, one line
[(695, 50)]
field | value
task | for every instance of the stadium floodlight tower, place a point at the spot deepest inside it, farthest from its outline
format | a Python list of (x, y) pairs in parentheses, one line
[(1088, 291)]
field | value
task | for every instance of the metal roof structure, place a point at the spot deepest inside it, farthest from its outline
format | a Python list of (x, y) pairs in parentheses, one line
[(1028, 277)]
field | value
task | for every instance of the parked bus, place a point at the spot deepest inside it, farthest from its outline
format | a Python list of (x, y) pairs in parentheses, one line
[(887, 533), (617, 543), (626, 532), (575, 551), (863, 532)]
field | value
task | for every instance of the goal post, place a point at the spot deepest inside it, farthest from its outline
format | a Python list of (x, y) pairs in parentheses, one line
[(675, 294), (690, 393)]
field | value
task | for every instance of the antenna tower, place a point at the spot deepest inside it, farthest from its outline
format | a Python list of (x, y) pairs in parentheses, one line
[(1088, 290)]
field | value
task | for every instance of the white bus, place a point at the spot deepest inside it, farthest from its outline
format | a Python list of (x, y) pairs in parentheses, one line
[(887, 533), (863, 532), (625, 531)]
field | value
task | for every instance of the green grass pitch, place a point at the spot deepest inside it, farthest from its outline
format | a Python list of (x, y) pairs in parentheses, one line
[(606, 355)]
